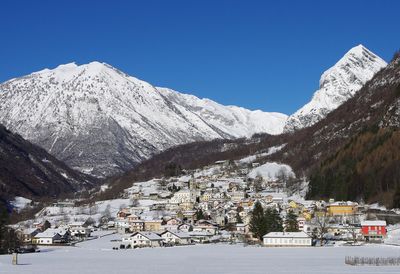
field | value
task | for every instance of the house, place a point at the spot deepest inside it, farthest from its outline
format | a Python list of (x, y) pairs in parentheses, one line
[(373, 231), (276, 239), (242, 228), (52, 236), (341, 208), (201, 236), (42, 226), (143, 239), (79, 229), (185, 227), (173, 221), (189, 215), (63, 204), (237, 196), (206, 226), (123, 213), (27, 235), (152, 225), (136, 225), (182, 196), (132, 217), (46, 238), (172, 237), (301, 221), (122, 226), (186, 206)]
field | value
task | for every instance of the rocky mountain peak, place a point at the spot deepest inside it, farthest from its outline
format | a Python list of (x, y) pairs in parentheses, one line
[(337, 85)]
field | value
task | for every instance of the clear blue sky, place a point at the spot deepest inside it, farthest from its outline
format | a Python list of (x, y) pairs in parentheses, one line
[(265, 55)]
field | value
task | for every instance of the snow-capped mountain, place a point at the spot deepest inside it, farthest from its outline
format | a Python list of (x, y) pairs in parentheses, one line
[(337, 85), (102, 121)]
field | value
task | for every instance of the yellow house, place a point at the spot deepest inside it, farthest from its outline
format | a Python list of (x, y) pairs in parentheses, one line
[(186, 206), (293, 204), (342, 208), (307, 215), (153, 225)]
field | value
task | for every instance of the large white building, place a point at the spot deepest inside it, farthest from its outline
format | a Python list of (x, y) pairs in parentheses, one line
[(274, 239), (183, 196)]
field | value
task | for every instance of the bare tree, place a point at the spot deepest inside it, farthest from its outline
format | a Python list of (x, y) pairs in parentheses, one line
[(93, 209), (321, 223), (352, 229), (107, 212), (134, 202), (257, 183)]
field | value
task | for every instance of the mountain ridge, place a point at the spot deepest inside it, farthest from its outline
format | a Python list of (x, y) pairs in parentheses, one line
[(102, 121), (28, 170)]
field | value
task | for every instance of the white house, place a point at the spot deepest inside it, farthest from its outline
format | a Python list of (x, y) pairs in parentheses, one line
[(51, 236), (287, 239), (143, 239), (79, 229), (201, 236), (206, 226), (172, 237), (185, 227), (183, 196)]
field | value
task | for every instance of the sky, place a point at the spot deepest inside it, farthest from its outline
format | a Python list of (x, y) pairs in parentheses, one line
[(266, 55)]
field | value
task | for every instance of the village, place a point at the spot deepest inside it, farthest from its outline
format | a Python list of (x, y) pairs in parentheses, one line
[(212, 205)]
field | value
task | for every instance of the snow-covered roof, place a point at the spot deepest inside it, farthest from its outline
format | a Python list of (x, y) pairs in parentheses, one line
[(30, 230), (343, 203), (76, 224), (179, 234), (48, 233), (373, 223), (287, 235), (149, 235), (200, 233)]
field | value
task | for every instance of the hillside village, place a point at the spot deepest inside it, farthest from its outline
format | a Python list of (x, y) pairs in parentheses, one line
[(213, 204)]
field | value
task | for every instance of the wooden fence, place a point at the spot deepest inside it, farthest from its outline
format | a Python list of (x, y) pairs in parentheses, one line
[(377, 261)]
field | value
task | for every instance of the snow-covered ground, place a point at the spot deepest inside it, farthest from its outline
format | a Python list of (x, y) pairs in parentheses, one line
[(20, 203), (97, 256), (252, 158), (270, 171)]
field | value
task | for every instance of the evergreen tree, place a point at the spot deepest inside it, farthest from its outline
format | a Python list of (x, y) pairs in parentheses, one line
[(238, 218), (199, 214), (257, 223), (273, 221), (291, 224), (396, 198), (263, 222), (9, 241), (3, 227)]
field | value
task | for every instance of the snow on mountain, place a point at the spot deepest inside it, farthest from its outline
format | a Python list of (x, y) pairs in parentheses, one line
[(271, 171), (337, 85), (102, 121)]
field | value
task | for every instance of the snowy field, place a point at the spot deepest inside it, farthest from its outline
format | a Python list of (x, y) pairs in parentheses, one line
[(97, 256)]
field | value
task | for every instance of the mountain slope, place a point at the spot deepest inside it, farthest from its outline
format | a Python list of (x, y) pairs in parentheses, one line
[(101, 121), (353, 152), (29, 171), (337, 85)]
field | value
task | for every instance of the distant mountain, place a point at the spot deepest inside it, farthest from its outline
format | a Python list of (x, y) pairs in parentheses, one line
[(354, 152), (102, 121), (28, 170), (336, 86)]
